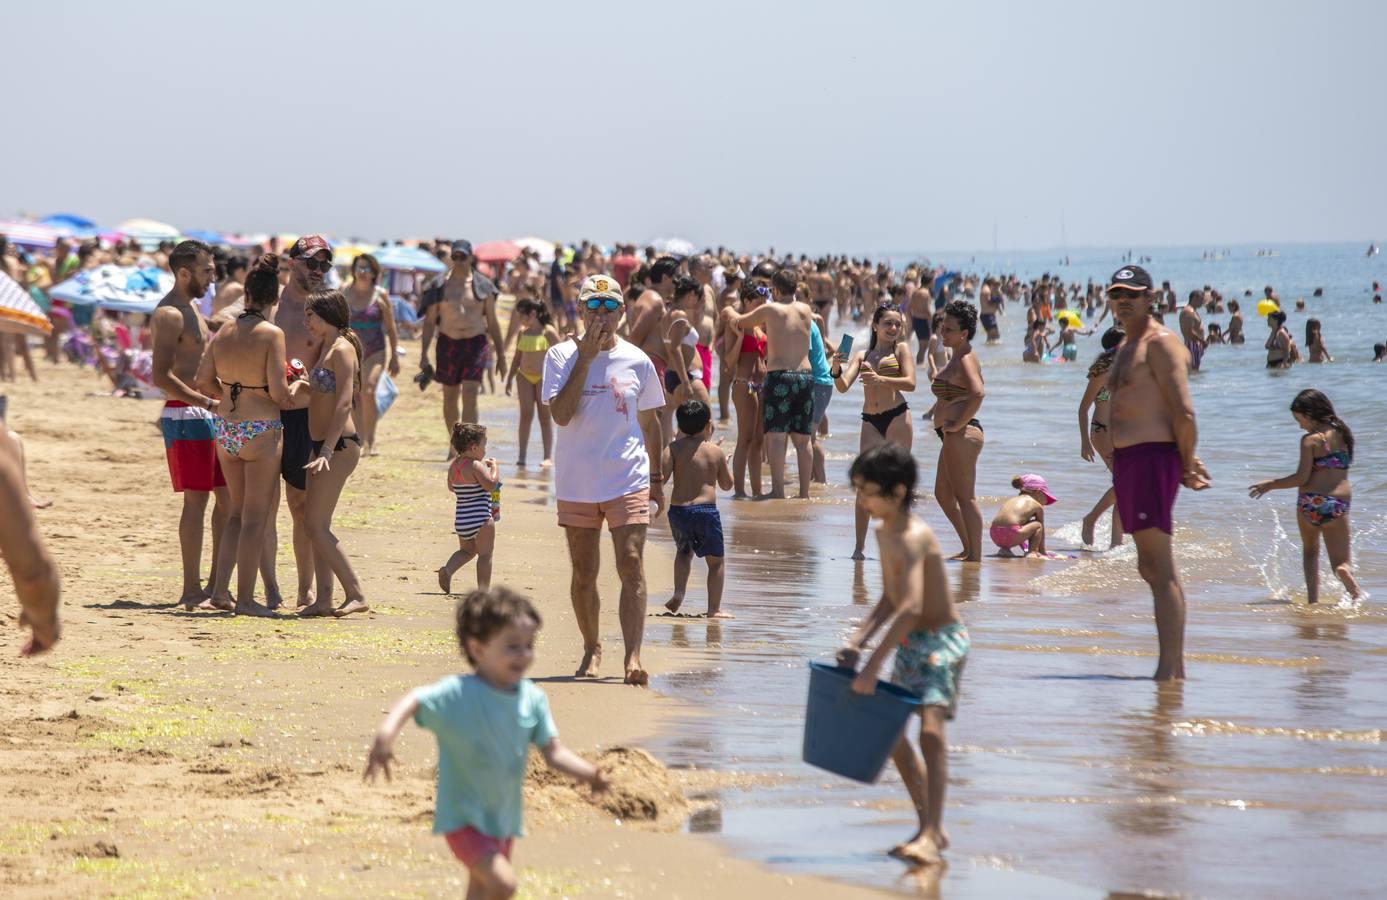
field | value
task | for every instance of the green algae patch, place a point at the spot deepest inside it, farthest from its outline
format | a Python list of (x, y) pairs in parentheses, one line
[(169, 727), (130, 879), (291, 639)]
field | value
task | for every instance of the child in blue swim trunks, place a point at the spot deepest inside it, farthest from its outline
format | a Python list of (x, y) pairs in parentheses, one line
[(698, 467), (929, 638)]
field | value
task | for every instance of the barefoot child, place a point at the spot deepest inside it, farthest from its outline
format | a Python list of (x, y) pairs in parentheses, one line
[(1326, 451), (699, 468), (537, 335), (484, 724), (1021, 520), (925, 630), (472, 479)]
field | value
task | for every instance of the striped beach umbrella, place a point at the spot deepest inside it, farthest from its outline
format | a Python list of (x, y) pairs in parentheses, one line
[(34, 235), (18, 311), (120, 288)]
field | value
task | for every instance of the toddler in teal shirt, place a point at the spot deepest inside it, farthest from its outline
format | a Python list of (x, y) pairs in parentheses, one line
[(485, 724)]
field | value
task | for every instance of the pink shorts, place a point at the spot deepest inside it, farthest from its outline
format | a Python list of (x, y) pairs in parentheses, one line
[(471, 846), (628, 509), (1006, 536)]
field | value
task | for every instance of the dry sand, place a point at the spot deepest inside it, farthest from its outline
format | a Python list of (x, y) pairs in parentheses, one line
[(163, 753)]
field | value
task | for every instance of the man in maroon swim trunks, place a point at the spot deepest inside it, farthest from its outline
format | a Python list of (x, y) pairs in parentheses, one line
[(460, 308), (1153, 429)]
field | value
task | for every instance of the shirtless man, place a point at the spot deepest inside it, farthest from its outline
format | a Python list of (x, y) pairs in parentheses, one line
[(1151, 418), (462, 311), (32, 570), (1192, 329), (823, 288), (309, 260), (921, 313), (180, 336), (233, 289), (646, 315), (788, 391), (989, 302)]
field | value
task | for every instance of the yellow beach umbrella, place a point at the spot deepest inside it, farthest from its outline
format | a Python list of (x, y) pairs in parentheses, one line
[(1069, 316), (1267, 307)]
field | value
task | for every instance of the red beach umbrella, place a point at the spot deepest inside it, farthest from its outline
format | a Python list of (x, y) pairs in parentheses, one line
[(497, 251)]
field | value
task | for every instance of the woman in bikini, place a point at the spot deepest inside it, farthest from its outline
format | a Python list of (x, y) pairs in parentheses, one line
[(1326, 452), (333, 381), (537, 335), (731, 292), (887, 369), (373, 321), (959, 392), (1314, 343), (746, 358), (684, 377), (1279, 343), (244, 365), (1235, 324), (1094, 439)]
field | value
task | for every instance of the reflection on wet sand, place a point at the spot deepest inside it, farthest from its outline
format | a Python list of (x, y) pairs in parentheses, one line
[(1150, 773)]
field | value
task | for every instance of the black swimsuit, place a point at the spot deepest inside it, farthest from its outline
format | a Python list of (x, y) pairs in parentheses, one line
[(882, 420)]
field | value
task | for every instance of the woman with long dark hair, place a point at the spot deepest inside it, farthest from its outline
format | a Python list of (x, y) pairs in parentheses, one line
[(745, 355), (334, 382), (887, 369), (1314, 343), (1094, 439), (1280, 345), (1326, 452), (536, 335), (244, 366), (959, 393)]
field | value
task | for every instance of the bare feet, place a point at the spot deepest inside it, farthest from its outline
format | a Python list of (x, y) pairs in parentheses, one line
[(445, 580), (773, 495), (1345, 574), (351, 606), (191, 602), (1005, 553), (546, 463), (592, 660), (720, 615), (224, 604), (251, 608), (635, 672), (305, 600), (858, 554), (316, 610), (960, 556), (1086, 532), (674, 603), (38, 503), (920, 851), (520, 463)]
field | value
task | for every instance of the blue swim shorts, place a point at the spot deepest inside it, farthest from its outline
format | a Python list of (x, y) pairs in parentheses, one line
[(697, 528), (930, 663)]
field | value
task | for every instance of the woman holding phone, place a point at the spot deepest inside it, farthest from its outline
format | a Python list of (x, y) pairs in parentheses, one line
[(887, 369)]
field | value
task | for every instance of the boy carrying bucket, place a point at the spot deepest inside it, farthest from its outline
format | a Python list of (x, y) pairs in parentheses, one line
[(925, 631)]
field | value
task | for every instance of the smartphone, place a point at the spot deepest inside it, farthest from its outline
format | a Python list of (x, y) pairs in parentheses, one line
[(845, 345)]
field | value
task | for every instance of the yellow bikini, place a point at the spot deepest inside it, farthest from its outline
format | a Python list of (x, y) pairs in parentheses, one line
[(532, 343)]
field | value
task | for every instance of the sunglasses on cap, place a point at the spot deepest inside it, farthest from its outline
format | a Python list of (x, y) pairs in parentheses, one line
[(317, 265), (761, 290), (610, 303)]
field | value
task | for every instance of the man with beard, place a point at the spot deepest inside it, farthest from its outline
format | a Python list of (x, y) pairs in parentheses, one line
[(180, 337), (461, 309)]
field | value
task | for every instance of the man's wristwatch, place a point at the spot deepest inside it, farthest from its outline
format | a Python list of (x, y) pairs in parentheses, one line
[(657, 478)]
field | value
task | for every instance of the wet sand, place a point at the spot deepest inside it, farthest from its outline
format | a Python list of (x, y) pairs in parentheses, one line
[(162, 753)]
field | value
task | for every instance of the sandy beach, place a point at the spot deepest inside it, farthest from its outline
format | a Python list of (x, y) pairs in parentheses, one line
[(164, 753)]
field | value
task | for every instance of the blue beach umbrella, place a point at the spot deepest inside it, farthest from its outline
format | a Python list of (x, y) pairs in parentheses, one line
[(409, 259), (69, 224), (120, 288), (207, 237)]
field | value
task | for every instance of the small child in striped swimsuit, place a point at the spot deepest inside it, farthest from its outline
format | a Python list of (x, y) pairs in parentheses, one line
[(471, 478)]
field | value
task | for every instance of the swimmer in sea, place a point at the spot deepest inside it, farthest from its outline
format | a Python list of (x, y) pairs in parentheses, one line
[(1021, 520)]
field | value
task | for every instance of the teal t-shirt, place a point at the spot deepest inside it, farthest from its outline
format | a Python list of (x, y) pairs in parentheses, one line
[(818, 360), (484, 736)]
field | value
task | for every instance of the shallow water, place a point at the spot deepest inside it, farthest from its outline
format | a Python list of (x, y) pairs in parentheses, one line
[(1071, 774)]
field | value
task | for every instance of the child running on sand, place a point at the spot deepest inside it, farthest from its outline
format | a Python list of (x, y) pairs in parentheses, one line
[(925, 630), (1326, 452), (699, 468), (1021, 520), (485, 724), (471, 479)]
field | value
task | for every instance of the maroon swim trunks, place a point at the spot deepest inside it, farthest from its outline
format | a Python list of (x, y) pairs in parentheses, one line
[(460, 360), (1145, 479)]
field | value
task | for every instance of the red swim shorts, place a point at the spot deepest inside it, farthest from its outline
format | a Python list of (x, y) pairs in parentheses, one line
[(471, 846), (1145, 480), (463, 359)]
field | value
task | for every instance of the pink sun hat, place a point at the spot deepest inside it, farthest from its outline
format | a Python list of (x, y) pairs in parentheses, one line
[(1033, 482)]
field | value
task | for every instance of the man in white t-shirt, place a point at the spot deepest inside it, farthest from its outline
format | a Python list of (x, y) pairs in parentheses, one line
[(605, 397)]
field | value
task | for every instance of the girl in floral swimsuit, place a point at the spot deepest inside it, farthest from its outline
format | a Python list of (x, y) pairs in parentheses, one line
[(1326, 452)]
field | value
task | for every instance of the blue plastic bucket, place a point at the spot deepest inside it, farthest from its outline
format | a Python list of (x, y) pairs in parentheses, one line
[(850, 734)]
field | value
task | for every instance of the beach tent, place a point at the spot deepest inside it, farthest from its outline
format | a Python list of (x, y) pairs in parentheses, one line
[(33, 235), (673, 246), (18, 311), (120, 288), (73, 226), (409, 259), (148, 232)]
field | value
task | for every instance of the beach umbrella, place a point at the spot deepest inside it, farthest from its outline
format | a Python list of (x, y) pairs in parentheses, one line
[(673, 246), (18, 311), (148, 232), (1267, 307), (67, 223), (207, 237), (30, 234), (544, 249), (120, 288), (1068, 315), (497, 251), (346, 254), (409, 259)]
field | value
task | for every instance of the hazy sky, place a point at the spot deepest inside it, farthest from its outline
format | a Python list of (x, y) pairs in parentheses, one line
[(864, 126)]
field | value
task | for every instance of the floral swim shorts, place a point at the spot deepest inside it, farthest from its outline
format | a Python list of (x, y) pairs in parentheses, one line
[(930, 663)]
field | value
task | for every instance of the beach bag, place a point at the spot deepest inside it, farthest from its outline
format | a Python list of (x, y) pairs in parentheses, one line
[(386, 392)]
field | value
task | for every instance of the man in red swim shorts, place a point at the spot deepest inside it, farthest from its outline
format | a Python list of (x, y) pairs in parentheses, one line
[(461, 309), (1153, 429)]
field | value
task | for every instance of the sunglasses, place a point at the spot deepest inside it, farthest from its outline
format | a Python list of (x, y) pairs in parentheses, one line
[(317, 265), (1121, 293), (610, 303), (761, 290), (459, 257)]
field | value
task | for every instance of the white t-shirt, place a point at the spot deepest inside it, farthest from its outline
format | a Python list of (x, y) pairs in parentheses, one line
[(601, 453)]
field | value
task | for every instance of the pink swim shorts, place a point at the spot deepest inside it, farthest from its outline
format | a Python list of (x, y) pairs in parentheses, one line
[(471, 846)]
